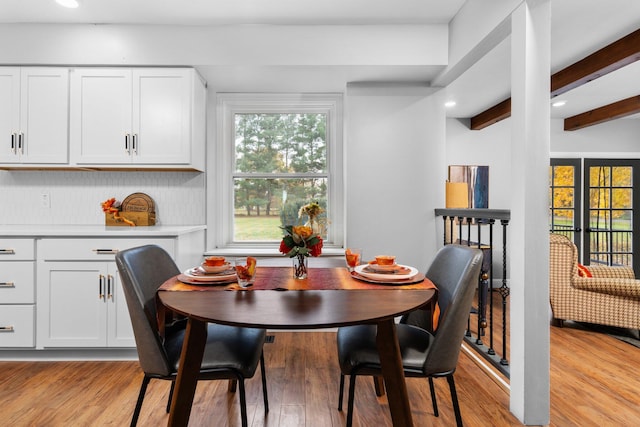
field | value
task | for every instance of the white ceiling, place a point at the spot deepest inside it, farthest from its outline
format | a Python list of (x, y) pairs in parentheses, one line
[(224, 12), (579, 27)]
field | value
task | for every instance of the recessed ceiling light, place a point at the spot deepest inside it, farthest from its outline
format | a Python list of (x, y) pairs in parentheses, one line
[(72, 4), (559, 103), (450, 104)]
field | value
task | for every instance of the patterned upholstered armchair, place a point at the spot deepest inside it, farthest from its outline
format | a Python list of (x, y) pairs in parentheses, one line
[(610, 297)]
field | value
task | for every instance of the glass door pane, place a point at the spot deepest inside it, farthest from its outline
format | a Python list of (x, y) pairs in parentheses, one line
[(610, 190), (564, 198)]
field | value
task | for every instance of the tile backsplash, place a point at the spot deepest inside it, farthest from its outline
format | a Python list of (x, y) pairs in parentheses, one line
[(75, 196)]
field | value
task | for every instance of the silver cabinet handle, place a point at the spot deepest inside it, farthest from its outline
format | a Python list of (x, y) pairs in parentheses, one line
[(7, 285), (6, 329), (110, 287), (105, 251), (135, 144), (20, 142), (7, 251), (101, 287), (14, 145), (126, 143)]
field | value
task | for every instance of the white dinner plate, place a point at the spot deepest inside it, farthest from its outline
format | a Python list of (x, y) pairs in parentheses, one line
[(198, 275), (216, 268), (375, 268), (386, 276)]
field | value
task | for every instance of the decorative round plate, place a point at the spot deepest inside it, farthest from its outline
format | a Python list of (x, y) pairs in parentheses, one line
[(389, 276), (138, 202)]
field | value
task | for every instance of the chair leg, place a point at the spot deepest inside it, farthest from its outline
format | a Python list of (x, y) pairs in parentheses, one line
[(243, 402), (341, 392), (454, 399), (352, 392), (434, 403), (264, 384), (173, 385), (378, 383), (143, 390)]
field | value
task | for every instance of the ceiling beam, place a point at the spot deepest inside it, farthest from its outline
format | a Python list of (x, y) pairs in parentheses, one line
[(492, 115), (613, 111), (612, 57)]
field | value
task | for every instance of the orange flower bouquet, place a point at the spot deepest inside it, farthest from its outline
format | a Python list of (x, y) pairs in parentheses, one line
[(300, 242)]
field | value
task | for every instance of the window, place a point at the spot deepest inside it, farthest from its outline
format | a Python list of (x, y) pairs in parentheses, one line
[(278, 153)]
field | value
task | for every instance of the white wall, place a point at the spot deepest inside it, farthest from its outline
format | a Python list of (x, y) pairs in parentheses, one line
[(491, 147), (618, 138), (395, 171), (233, 45)]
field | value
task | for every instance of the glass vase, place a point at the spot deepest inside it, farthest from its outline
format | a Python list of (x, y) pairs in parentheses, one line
[(299, 267)]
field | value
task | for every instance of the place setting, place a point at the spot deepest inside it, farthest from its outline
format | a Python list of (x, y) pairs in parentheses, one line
[(217, 271), (383, 269)]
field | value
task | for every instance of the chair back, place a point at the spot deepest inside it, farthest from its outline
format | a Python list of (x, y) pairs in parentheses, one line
[(563, 260), (455, 271), (142, 271)]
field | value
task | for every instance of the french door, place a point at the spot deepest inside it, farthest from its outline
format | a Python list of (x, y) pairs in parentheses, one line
[(613, 230), (565, 184), (611, 233)]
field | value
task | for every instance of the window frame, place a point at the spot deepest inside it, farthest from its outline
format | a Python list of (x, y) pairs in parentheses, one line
[(230, 104)]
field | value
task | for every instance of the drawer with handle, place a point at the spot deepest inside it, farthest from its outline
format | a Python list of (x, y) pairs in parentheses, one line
[(94, 249), (17, 249), (17, 282), (17, 326)]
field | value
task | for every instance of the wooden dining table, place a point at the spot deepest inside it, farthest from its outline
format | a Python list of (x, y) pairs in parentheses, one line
[(327, 298)]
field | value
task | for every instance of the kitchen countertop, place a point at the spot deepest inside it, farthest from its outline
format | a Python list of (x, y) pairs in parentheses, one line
[(72, 230)]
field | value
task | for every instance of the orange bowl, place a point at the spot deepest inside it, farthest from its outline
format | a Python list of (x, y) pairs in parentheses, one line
[(385, 259), (214, 261)]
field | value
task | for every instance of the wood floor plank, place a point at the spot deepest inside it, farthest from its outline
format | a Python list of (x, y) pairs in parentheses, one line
[(593, 383)]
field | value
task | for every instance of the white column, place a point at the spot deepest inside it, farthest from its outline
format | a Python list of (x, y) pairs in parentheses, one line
[(528, 231)]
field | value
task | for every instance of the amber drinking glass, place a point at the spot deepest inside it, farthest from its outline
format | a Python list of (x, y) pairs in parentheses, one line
[(352, 257)]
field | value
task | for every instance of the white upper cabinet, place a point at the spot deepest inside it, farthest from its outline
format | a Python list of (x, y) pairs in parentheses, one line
[(101, 116), (148, 117), (34, 115)]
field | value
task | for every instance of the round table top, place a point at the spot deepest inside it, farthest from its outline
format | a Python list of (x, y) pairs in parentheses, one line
[(296, 309)]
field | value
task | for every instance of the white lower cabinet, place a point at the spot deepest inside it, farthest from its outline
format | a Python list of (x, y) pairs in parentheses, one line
[(17, 294), (80, 302), (86, 306)]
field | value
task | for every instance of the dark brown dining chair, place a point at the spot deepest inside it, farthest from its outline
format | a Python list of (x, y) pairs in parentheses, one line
[(454, 271), (231, 353)]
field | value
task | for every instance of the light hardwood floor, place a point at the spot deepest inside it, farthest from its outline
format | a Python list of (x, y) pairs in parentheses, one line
[(594, 382)]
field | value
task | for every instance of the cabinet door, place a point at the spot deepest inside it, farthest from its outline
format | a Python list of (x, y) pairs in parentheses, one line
[(71, 304), (44, 115), (101, 116), (119, 330), (162, 116), (9, 113)]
